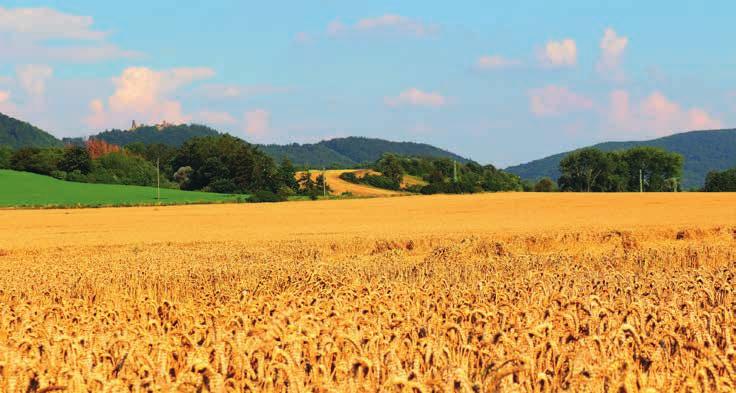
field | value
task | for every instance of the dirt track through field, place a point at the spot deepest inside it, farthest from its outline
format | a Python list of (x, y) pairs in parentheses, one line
[(340, 186)]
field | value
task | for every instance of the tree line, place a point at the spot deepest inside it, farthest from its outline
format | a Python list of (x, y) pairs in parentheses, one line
[(647, 169), (221, 163), (440, 175)]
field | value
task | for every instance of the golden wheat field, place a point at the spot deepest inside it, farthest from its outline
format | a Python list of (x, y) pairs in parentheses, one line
[(481, 293)]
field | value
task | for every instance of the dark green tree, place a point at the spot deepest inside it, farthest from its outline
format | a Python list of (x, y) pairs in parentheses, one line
[(585, 170), (76, 158), (5, 154), (545, 184), (724, 181), (658, 167), (390, 166)]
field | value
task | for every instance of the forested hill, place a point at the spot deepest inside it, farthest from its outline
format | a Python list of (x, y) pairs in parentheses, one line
[(704, 151), (16, 134), (340, 152), (351, 151), (173, 135)]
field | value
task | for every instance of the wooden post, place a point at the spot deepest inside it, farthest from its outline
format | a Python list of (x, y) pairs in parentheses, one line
[(158, 182)]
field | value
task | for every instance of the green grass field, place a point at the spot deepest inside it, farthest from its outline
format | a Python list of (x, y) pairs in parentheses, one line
[(23, 189)]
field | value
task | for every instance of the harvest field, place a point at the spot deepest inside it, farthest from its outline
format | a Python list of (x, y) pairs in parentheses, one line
[(473, 293), (19, 189), (339, 186)]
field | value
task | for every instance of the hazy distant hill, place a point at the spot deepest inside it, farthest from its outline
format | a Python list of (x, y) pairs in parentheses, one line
[(704, 151), (346, 152), (16, 134), (174, 135)]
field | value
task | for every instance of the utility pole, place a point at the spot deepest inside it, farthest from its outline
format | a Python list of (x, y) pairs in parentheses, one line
[(641, 182), (324, 183), (454, 171), (158, 181)]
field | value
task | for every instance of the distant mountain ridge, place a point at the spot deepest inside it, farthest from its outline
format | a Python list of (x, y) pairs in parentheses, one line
[(16, 134), (333, 153), (704, 151), (352, 151)]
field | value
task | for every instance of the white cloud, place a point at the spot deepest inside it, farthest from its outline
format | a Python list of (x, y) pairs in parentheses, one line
[(32, 51), (387, 23), (656, 115), (257, 123), (222, 91), (24, 33), (142, 94), (612, 50), (494, 62), (33, 77), (44, 23), (560, 53), (416, 97), (555, 100), (215, 117)]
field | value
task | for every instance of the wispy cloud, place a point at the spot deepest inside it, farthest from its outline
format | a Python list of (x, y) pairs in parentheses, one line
[(385, 24), (25, 32), (555, 100), (416, 97), (225, 91), (495, 62), (45, 23), (215, 117)]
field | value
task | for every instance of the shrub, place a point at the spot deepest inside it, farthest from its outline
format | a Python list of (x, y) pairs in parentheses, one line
[(545, 185), (264, 196)]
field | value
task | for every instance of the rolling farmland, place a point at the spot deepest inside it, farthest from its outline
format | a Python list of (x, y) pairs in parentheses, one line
[(24, 189), (489, 292)]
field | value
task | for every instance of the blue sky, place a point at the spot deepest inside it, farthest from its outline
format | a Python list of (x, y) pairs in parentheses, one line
[(500, 82)]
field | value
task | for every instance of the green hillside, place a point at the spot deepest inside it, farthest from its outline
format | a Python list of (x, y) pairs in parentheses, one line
[(19, 189), (174, 135), (703, 151), (16, 134), (351, 151)]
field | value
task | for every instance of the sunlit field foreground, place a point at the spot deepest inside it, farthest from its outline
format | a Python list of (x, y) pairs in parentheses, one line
[(503, 292)]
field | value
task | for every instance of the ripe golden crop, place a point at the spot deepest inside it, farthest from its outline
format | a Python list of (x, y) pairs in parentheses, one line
[(484, 293)]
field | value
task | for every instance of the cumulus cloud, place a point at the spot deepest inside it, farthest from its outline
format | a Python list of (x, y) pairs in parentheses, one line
[(33, 77), (494, 62), (612, 50), (257, 123), (387, 23), (142, 94), (560, 53), (215, 117), (416, 97), (657, 115), (555, 100)]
